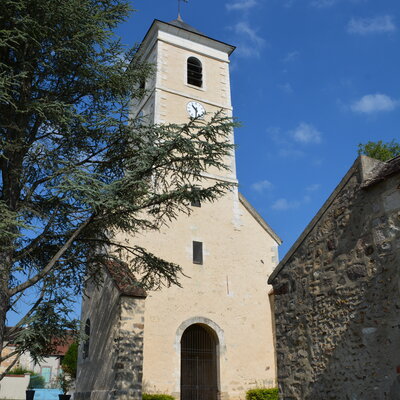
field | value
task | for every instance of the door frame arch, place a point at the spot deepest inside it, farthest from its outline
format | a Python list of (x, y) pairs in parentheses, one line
[(220, 345)]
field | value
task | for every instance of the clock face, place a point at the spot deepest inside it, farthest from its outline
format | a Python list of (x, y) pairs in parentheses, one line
[(195, 109)]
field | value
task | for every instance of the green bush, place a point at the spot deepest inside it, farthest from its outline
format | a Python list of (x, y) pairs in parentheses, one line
[(37, 382), (262, 394), (19, 371), (157, 397), (70, 360)]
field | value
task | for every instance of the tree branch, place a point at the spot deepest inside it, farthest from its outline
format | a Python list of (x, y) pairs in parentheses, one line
[(31, 246), (12, 354), (8, 369), (14, 329), (32, 281)]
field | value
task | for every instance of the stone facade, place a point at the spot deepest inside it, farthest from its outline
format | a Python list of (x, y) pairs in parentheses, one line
[(337, 294), (112, 366)]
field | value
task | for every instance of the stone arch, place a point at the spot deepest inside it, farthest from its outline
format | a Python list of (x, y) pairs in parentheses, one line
[(219, 336), (202, 321)]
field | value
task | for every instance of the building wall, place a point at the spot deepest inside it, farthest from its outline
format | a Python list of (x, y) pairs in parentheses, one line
[(337, 298), (5, 352), (173, 53), (113, 369), (14, 386), (229, 292), (25, 361)]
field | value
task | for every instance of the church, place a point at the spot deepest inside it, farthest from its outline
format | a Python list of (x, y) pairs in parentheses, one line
[(212, 338)]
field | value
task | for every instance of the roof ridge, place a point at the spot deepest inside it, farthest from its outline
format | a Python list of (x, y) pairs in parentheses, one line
[(254, 213)]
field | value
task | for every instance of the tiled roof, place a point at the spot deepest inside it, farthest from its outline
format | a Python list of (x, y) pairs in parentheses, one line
[(124, 279)]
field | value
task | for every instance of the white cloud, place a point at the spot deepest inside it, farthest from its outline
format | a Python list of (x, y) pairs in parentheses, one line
[(241, 5), (330, 3), (286, 87), (306, 133), (243, 28), (284, 204), (306, 199), (323, 3), (288, 151), (261, 186), (372, 103), (313, 188), (288, 3), (251, 43), (291, 144), (366, 26), (291, 56)]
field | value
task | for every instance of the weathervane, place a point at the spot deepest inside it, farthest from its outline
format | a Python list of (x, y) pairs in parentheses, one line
[(179, 8)]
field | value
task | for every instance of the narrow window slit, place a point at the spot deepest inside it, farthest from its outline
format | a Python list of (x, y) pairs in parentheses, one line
[(198, 253)]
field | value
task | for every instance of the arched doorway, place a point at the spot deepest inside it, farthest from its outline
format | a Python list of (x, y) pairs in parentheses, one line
[(199, 375)]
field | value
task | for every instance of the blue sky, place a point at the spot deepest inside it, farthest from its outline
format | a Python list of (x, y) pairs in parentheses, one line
[(311, 79)]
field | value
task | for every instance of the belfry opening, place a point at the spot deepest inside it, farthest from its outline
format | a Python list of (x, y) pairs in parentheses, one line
[(199, 363)]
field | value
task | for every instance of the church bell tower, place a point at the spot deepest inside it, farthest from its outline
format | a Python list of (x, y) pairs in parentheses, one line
[(191, 77), (211, 338)]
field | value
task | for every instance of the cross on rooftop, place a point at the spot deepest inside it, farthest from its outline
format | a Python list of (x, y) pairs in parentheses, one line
[(179, 8)]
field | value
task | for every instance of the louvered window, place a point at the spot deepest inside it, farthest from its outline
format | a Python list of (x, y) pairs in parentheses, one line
[(194, 72)]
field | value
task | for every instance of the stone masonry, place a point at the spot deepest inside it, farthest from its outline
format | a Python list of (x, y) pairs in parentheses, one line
[(337, 293), (112, 368)]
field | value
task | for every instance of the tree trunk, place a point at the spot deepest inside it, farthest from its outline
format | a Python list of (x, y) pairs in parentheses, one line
[(4, 294)]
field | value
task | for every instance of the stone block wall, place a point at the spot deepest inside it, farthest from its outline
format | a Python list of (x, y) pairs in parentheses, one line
[(113, 368), (337, 298)]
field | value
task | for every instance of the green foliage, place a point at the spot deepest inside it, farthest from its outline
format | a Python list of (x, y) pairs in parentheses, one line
[(262, 394), (20, 371), (70, 360), (157, 397), (75, 168), (379, 150), (65, 382), (37, 382)]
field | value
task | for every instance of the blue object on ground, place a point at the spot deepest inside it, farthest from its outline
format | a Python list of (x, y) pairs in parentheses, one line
[(47, 394)]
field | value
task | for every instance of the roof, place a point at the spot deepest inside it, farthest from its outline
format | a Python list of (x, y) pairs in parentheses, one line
[(372, 172), (259, 218), (124, 280), (178, 23), (183, 25), (61, 346)]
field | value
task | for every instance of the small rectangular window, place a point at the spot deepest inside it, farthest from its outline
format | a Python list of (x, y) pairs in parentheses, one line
[(195, 203), (197, 252)]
